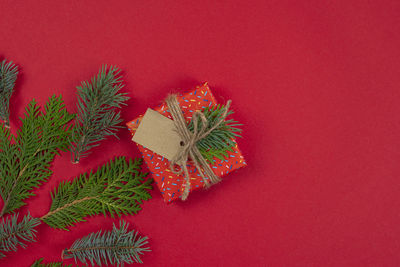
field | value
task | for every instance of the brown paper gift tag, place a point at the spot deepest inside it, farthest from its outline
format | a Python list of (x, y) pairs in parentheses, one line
[(158, 133)]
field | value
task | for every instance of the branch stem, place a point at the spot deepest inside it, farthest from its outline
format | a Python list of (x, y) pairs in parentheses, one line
[(66, 206), (5, 204)]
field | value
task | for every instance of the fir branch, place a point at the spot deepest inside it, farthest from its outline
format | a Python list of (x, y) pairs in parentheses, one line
[(116, 188), (115, 247), (98, 102), (220, 140), (25, 163), (39, 263), (14, 234), (8, 77)]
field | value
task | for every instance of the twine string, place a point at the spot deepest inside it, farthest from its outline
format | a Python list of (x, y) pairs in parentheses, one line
[(189, 148)]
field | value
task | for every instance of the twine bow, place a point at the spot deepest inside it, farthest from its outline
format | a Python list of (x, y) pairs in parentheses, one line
[(189, 144)]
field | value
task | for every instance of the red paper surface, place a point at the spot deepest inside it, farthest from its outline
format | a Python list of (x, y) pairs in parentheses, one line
[(315, 83), (170, 184)]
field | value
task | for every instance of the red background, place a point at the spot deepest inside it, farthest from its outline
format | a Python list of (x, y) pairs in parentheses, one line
[(315, 83)]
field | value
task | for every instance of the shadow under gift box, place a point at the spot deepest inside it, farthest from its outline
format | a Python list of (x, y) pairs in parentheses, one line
[(169, 183)]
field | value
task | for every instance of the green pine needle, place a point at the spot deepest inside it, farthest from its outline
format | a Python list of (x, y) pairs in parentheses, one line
[(98, 102), (25, 159), (14, 234), (217, 144), (8, 77), (39, 263), (116, 188), (115, 247)]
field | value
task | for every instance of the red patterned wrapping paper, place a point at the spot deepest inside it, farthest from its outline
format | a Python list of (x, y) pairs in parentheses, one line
[(169, 183)]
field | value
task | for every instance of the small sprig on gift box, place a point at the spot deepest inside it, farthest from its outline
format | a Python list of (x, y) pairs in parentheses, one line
[(8, 77), (220, 140), (97, 118)]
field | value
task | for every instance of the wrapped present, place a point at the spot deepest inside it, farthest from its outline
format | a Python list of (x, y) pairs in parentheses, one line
[(169, 182)]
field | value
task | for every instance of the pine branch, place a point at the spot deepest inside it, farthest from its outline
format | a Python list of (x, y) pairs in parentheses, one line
[(116, 188), (39, 263), (25, 163), (14, 234), (115, 247), (8, 77), (220, 140), (98, 102)]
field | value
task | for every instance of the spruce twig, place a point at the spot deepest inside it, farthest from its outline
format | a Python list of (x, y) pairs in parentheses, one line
[(25, 163), (14, 234), (220, 140), (8, 77), (115, 247), (116, 188), (98, 102)]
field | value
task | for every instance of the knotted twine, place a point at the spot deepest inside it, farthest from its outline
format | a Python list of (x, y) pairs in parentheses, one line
[(188, 149)]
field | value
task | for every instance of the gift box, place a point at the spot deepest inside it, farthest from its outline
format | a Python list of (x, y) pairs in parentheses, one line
[(169, 183)]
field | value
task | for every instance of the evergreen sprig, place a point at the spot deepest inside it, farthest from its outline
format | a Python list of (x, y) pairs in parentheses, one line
[(115, 247), (8, 77), (98, 102), (220, 140), (14, 234), (25, 163), (116, 188), (39, 263)]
